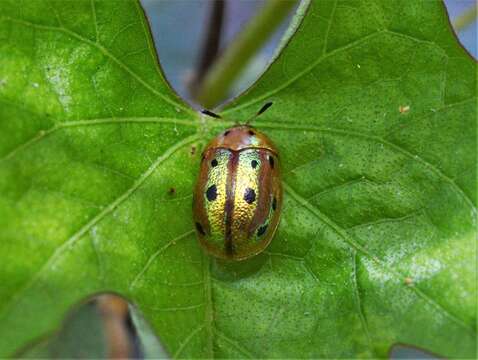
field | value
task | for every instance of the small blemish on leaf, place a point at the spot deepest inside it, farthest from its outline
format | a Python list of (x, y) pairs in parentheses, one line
[(408, 281), (403, 109), (193, 150), (172, 191)]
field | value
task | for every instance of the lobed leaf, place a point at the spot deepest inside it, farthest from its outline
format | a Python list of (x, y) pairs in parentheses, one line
[(375, 117)]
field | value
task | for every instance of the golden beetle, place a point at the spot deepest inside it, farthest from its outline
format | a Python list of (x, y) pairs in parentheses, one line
[(238, 195)]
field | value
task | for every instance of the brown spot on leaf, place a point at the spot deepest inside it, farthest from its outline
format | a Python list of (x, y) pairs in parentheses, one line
[(403, 109)]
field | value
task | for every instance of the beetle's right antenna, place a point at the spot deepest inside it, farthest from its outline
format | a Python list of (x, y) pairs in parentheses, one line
[(211, 114), (262, 109)]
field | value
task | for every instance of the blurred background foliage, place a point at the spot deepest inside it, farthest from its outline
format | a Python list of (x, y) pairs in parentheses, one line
[(107, 326), (179, 46)]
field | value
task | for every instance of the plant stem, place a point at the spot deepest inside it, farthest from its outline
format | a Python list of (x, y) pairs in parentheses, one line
[(230, 64), (465, 19), (210, 47)]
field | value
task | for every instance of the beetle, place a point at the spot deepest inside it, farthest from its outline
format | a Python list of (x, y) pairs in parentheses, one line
[(238, 195)]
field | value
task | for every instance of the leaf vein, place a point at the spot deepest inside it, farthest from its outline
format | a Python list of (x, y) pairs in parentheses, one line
[(68, 244), (304, 72), (209, 308), (78, 123), (406, 153), (175, 308), (358, 247), (327, 32), (411, 215), (95, 22), (235, 345), (356, 293), (187, 340), (107, 53), (156, 254)]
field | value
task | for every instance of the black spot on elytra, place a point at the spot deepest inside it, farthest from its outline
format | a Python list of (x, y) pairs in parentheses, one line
[(226, 133), (271, 161), (254, 164), (211, 193), (214, 163), (274, 203), (262, 230), (200, 229), (251, 132), (249, 195)]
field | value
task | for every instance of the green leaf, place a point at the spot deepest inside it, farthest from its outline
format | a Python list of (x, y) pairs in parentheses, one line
[(377, 243)]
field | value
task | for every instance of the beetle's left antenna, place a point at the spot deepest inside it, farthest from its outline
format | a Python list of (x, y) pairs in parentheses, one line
[(210, 113), (262, 109)]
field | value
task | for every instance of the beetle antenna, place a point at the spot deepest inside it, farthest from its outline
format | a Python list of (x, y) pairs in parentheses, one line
[(211, 114), (262, 109)]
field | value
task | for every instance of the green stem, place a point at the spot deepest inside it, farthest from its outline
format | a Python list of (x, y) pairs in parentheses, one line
[(230, 64), (465, 19)]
